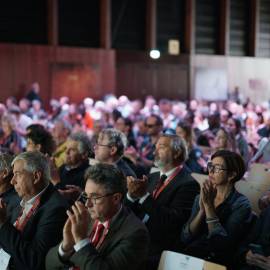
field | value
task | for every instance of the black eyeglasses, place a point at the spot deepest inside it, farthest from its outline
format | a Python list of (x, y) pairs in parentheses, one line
[(93, 198), (215, 168)]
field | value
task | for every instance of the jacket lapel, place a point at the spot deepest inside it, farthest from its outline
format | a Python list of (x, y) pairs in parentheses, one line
[(114, 228), (174, 182)]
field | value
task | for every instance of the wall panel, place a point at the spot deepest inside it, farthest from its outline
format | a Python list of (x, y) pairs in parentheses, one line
[(21, 65)]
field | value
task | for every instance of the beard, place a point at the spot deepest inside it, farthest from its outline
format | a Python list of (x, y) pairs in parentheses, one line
[(158, 163), (161, 163)]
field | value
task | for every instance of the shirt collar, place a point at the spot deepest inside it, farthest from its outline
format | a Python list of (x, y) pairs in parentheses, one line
[(107, 223), (169, 173), (29, 203)]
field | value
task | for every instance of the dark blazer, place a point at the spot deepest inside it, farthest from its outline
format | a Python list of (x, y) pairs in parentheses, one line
[(124, 247), (72, 176), (124, 167), (169, 211), (43, 230)]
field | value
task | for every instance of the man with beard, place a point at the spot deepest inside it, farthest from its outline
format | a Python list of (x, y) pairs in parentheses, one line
[(164, 199)]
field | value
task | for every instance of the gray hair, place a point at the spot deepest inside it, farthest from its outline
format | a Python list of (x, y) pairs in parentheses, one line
[(85, 145), (178, 145), (66, 125), (5, 162), (35, 161), (115, 138), (107, 175)]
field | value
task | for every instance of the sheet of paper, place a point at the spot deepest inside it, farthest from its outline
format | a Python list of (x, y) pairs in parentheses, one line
[(175, 261), (4, 259)]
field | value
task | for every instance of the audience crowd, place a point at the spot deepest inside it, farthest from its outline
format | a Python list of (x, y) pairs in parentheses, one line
[(109, 184)]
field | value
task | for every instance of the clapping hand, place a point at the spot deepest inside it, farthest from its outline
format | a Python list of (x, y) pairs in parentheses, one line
[(258, 260), (76, 227), (137, 188), (208, 194)]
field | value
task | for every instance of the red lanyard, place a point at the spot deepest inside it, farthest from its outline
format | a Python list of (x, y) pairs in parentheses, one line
[(20, 224), (166, 183)]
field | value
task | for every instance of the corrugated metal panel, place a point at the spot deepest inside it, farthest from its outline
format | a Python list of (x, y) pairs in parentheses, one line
[(170, 23), (264, 29), (239, 27), (206, 26)]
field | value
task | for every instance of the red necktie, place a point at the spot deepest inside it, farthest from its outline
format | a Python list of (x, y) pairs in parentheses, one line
[(98, 234), (160, 183)]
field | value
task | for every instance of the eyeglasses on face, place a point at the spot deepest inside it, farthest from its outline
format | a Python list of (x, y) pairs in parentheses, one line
[(215, 168), (93, 198)]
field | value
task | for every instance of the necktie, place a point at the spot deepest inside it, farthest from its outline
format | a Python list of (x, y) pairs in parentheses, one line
[(160, 183), (98, 234)]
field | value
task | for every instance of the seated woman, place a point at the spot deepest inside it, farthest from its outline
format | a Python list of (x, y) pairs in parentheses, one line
[(225, 140), (220, 215), (195, 162)]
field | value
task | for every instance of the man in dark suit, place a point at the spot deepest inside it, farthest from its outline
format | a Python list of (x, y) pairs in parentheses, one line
[(164, 200), (34, 225), (117, 241)]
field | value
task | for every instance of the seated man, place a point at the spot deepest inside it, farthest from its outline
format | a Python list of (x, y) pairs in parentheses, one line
[(34, 225), (117, 240), (110, 149), (164, 200), (60, 132), (71, 173)]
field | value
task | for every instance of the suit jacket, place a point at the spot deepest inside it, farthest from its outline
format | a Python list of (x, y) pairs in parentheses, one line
[(165, 215), (124, 247), (72, 176), (123, 166), (43, 230)]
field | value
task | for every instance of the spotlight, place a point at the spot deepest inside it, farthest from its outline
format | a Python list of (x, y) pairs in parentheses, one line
[(154, 54)]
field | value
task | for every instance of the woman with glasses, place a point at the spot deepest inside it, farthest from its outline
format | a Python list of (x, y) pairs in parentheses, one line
[(220, 215)]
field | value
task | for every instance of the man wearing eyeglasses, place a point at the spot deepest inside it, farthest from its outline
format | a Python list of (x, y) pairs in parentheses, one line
[(117, 239), (154, 127), (110, 149)]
